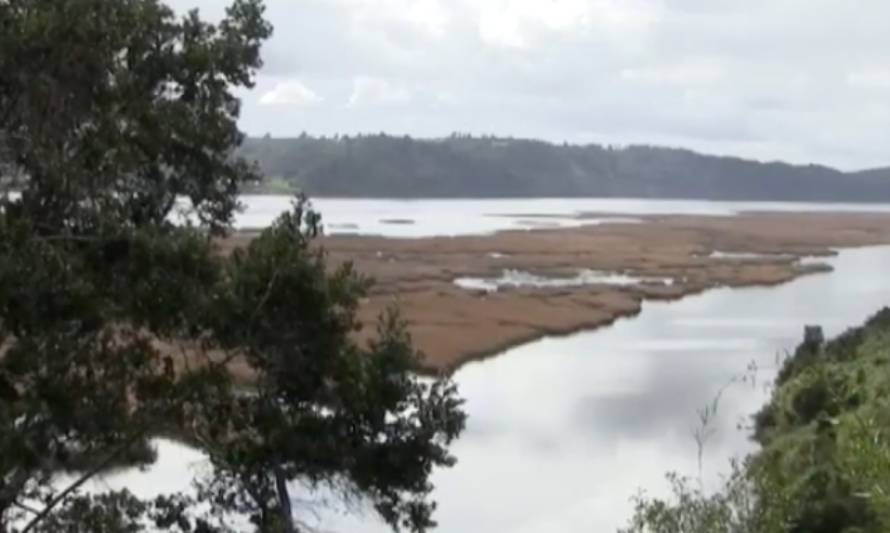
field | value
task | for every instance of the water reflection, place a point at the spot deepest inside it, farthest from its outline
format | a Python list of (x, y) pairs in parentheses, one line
[(563, 431)]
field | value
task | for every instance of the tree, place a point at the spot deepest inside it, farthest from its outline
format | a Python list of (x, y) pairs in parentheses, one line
[(118, 324)]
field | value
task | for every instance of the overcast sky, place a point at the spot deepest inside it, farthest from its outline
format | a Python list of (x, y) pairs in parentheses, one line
[(796, 80)]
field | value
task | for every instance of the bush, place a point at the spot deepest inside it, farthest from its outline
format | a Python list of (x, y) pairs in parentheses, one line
[(825, 462)]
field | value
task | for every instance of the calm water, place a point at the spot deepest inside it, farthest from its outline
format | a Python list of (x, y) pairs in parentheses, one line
[(563, 431), (465, 217)]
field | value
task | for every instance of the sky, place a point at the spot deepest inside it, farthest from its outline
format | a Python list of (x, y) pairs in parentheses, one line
[(795, 80)]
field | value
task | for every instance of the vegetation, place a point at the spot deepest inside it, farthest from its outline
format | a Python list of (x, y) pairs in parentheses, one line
[(464, 166), (117, 325), (824, 465)]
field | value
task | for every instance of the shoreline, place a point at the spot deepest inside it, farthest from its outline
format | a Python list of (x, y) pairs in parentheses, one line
[(453, 326), (311, 196), (470, 358)]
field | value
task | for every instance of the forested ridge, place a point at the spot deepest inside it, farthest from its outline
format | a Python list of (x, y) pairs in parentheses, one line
[(458, 166)]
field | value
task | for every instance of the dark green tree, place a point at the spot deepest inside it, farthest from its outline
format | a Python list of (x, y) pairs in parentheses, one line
[(121, 320)]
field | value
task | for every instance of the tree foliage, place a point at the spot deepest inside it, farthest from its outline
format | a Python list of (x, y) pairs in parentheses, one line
[(116, 324)]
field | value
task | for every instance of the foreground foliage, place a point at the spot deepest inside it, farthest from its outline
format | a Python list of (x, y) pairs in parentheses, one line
[(824, 466), (117, 325)]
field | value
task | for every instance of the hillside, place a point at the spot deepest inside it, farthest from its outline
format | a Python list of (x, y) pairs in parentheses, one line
[(480, 167), (824, 465)]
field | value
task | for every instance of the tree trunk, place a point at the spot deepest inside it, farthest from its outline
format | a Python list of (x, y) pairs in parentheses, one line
[(287, 517)]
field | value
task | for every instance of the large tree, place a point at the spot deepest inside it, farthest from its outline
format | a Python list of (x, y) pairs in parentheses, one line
[(120, 320)]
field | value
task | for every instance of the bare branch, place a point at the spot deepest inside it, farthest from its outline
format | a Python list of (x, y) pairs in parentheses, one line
[(59, 498)]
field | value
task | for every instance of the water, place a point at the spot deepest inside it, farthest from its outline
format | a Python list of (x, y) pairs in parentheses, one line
[(563, 431), (519, 279), (468, 217), (746, 256)]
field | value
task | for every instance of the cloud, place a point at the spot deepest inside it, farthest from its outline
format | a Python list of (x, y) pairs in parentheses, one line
[(369, 91), (771, 79), (525, 23), (291, 92), (428, 16), (875, 78), (686, 75)]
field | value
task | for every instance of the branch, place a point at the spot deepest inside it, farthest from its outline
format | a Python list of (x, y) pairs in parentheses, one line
[(71, 238), (80, 482), (265, 297)]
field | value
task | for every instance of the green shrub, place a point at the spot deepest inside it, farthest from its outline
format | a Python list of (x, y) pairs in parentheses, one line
[(824, 465)]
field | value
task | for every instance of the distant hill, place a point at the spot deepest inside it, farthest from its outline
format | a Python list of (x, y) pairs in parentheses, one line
[(484, 167)]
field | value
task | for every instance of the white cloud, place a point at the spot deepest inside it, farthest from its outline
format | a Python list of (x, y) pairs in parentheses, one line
[(524, 23), (291, 92), (425, 18), (870, 78), (370, 91), (428, 15), (500, 28), (446, 98), (774, 79), (513, 23), (690, 74)]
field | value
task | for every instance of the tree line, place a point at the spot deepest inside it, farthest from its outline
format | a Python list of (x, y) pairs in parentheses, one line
[(461, 165)]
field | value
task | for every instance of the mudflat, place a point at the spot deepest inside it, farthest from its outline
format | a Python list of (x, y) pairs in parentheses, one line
[(540, 291)]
